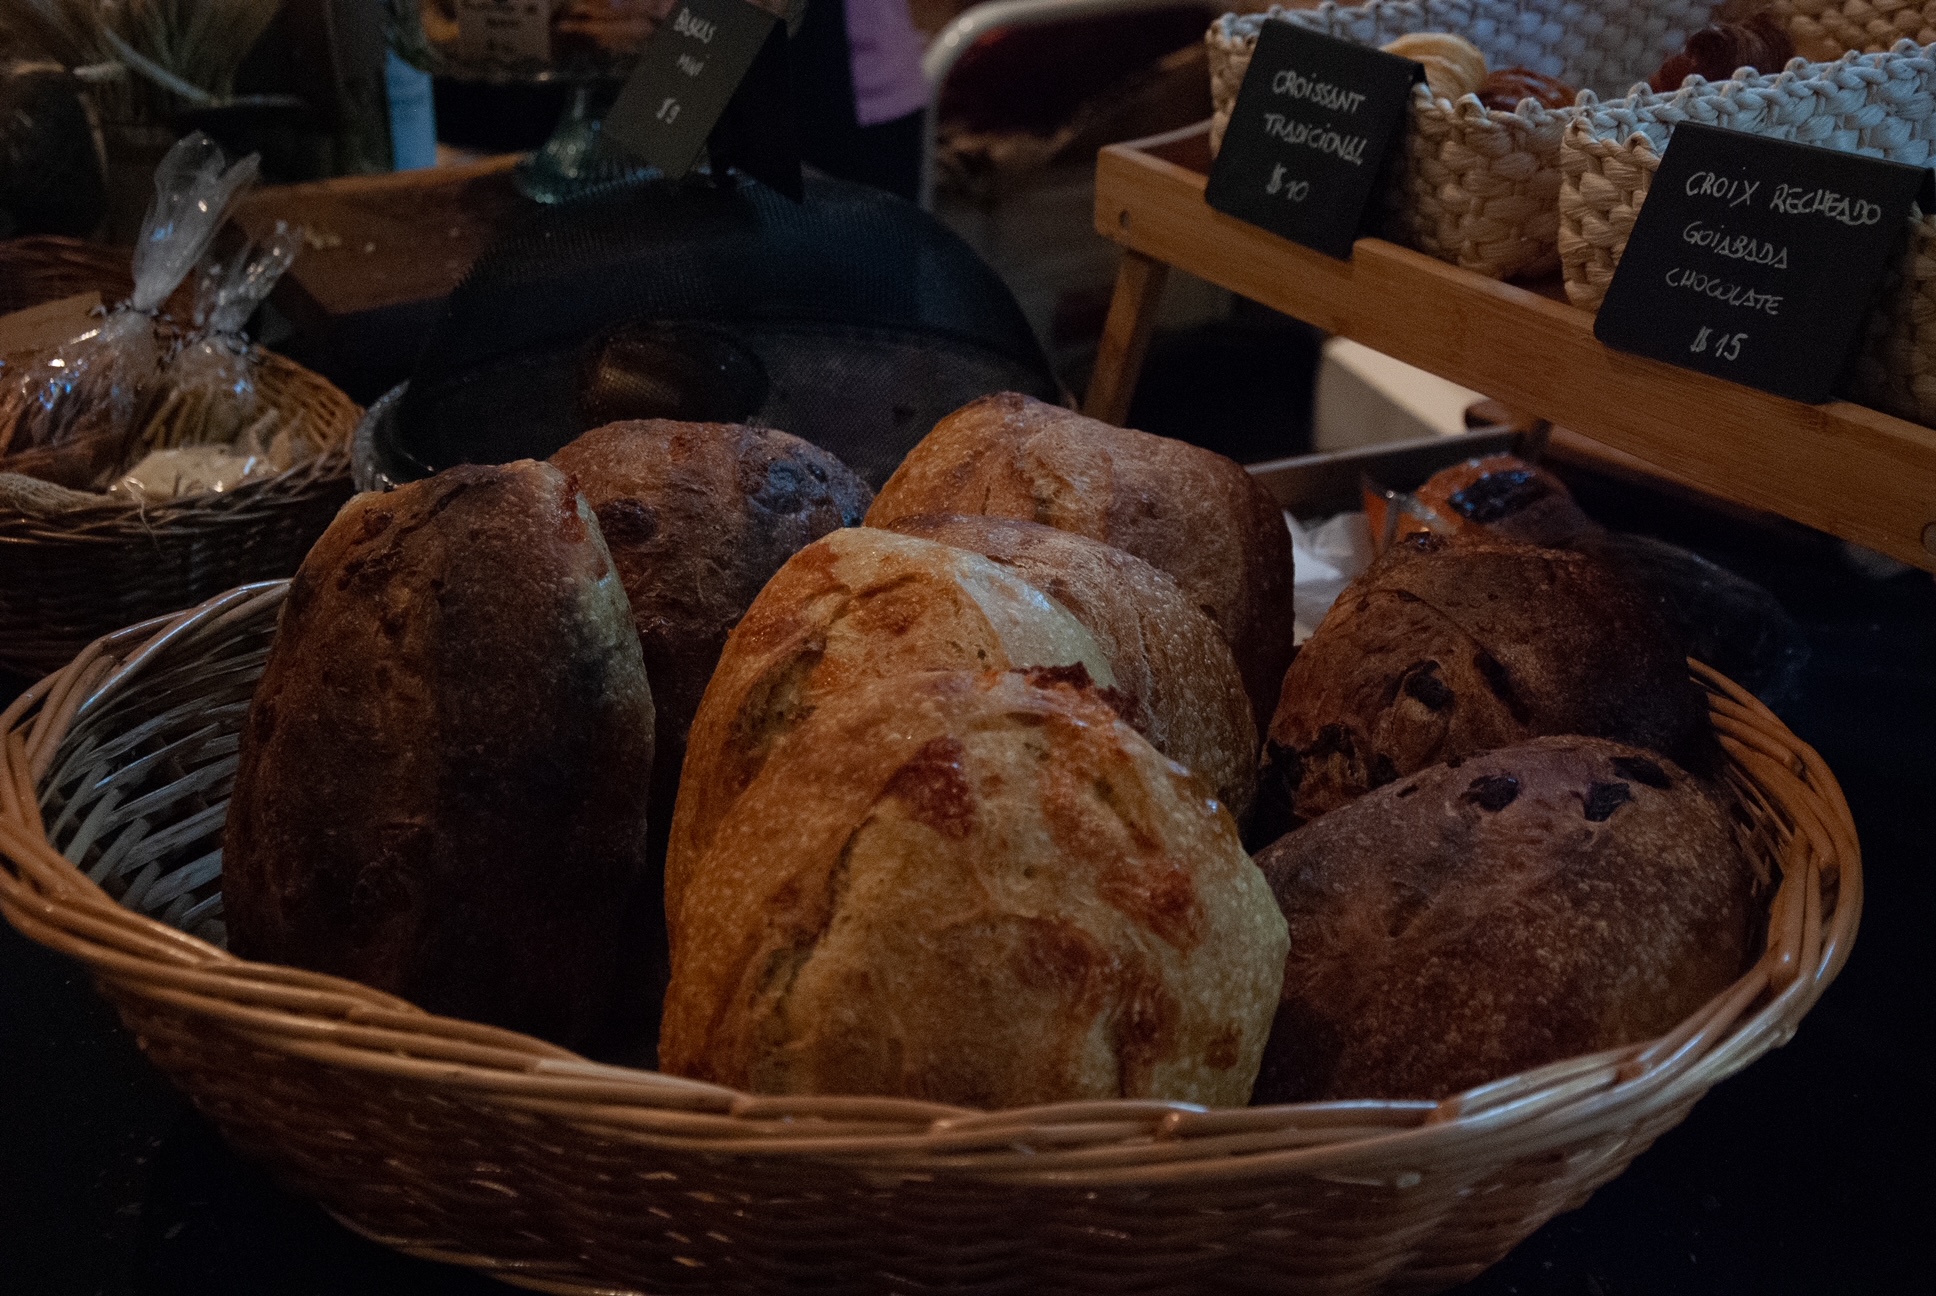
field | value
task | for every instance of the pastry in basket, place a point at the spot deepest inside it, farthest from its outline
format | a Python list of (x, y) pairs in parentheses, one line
[(1446, 648), (1502, 90), (1453, 65), (1716, 53), (1178, 682), (1487, 916), (856, 605), (1182, 509), (1499, 495), (698, 516), (982, 889), (443, 776)]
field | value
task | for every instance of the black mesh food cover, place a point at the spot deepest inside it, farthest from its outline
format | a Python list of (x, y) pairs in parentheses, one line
[(853, 319)]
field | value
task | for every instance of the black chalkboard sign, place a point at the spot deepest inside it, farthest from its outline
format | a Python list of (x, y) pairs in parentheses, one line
[(1757, 260), (1307, 140), (684, 79)]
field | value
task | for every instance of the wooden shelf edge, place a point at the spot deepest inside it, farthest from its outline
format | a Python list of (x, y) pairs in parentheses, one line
[(1843, 468)]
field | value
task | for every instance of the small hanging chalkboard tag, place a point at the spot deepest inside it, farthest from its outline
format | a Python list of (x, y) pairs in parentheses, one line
[(1757, 260), (1305, 148), (684, 79)]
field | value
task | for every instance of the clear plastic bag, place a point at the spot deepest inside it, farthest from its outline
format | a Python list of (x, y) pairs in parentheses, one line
[(211, 394), (73, 418)]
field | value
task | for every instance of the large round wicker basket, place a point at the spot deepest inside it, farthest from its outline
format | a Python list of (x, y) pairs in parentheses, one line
[(70, 575), (468, 1144)]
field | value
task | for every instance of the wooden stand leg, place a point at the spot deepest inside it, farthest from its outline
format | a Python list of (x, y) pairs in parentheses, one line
[(1125, 337)]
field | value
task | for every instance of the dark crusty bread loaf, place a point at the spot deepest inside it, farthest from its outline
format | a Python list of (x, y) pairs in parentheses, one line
[(1535, 903), (1178, 681), (1182, 509), (1448, 648), (982, 889), (698, 516), (443, 777), (855, 605)]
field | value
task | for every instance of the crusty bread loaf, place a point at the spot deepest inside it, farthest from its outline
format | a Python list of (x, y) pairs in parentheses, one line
[(1179, 683), (698, 517), (1182, 509), (443, 775), (1483, 917), (1449, 648), (982, 889), (855, 605)]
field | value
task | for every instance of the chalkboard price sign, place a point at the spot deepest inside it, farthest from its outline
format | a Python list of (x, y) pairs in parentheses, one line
[(1307, 140), (1757, 260), (684, 80)]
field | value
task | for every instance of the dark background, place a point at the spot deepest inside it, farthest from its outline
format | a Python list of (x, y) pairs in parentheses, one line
[(1803, 1176)]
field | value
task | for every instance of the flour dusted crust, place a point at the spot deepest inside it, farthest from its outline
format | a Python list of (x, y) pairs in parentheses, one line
[(1446, 649), (1182, 509), (1178, 680), (856, 605), (443, 775), (982, 889), (1491, 915)]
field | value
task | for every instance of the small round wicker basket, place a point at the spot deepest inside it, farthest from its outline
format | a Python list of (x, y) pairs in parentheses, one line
[(476, 1146), (70, 575)]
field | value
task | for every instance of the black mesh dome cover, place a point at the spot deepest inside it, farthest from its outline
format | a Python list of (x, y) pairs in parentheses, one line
[(853, 319)]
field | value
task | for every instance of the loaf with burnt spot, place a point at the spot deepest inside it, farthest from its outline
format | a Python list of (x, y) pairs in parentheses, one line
[(1447, 648), (1182, 509), (1178, 680), (981, 889), (856, 605), (1487, 916), (444, 772), (698, 517)]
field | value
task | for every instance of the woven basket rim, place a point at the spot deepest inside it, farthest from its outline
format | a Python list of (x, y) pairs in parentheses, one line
[(1114, 1142)]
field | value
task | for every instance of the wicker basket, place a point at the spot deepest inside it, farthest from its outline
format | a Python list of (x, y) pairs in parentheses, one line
[(1881, 105), (1825, 29), (70, 575), (467, 1144), (1482, 186)]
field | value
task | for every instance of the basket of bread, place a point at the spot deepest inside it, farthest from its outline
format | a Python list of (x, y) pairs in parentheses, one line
[(150, 455), (667, 868)]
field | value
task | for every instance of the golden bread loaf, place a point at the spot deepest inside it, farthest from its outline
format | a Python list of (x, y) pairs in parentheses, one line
[(855, 605), (1178, 681), (1492, 915), (1182, 509), (444, 771), (983, 889)]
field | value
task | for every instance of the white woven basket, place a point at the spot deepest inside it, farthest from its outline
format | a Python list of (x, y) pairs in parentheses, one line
[(1878, 105), (1481, 188)]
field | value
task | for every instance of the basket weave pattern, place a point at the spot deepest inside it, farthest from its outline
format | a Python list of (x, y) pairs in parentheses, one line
[(1879, 105), (469, 1144), (1863, 26), (1481, 188)]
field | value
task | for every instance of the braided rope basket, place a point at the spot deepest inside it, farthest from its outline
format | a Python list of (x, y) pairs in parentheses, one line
[(70, 572), (1879, 105), (1481, 188), (472, 1145)]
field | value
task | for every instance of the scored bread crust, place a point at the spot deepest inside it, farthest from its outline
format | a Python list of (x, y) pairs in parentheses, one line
[(1178, 679), (443, 776), (975, 889), (1492, 915), (1182, 509), (1448, 648), (858, 604)]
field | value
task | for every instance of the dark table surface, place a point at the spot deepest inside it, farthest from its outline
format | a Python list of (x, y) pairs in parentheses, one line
[(1799, 1177)]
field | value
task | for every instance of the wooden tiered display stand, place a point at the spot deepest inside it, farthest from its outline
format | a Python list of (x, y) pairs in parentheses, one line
[(1842, 468)]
